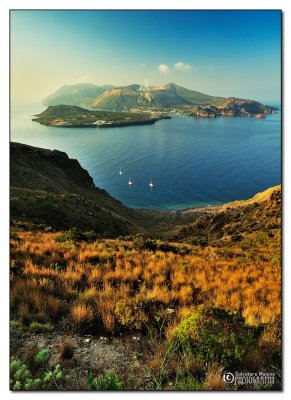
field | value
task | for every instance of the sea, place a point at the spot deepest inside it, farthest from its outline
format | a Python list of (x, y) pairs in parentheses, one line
[(191, 162)]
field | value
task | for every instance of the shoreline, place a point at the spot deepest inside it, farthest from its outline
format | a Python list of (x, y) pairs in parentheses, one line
[(259, 197), (96, 126)]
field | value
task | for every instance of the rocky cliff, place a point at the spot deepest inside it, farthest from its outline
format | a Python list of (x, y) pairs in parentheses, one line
[(233, 107)]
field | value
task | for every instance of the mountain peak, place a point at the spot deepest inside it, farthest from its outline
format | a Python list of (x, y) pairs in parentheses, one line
[(172, 84), (128, 97)]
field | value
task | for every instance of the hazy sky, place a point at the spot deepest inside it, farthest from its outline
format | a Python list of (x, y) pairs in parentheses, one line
[(226, 53)]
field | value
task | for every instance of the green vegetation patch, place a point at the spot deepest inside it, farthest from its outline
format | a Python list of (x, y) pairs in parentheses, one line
[(109, 381), (67, 115), (130, 313), (213, 334)]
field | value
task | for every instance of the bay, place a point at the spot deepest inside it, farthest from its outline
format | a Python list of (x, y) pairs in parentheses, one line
[(192, 162)]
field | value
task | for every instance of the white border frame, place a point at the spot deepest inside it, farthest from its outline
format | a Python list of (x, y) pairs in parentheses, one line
[(4, 175)]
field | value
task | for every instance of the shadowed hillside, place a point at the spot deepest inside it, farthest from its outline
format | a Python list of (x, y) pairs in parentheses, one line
[(50, 188), (47, 187)]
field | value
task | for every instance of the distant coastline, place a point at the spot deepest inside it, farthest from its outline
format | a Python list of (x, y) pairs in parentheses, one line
[(66, 116)]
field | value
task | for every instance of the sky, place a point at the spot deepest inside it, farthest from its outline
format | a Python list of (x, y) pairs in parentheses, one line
[(222, 53)]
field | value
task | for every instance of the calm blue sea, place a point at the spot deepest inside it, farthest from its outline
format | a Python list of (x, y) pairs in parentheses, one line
[(192, 162)]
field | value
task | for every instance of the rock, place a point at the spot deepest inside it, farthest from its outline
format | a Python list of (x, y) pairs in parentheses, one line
[(205, 112), (48, 229)]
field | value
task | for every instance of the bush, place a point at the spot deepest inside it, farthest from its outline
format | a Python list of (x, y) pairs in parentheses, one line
[(236, 237), (166, 248), (130, 313), (108, 381), (22, 379), (76, 235), (201, 241), (16, 269), (81, 314), (188, 383), (213, 334), (42, 356), (38, 327), (143, 243)]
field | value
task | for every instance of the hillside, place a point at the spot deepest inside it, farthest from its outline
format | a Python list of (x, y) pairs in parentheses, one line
[(192, 96), (136, 96), (80, 94), (234, 220), (47, 187), (250, 106), (260, 197)]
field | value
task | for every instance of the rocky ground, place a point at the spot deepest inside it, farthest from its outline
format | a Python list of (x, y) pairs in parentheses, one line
[(127, 355)]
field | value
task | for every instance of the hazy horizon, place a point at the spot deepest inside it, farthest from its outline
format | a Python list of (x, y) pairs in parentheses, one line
[(220, 53)]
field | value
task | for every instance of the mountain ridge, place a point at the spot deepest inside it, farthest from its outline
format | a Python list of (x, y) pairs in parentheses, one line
[(169, 97), (123, 98), (79, 94)]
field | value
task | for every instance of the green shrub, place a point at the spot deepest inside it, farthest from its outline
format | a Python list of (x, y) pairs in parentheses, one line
[(22, 379), (188, 383), (143, 243), (16, 269), (38, 327), (76, 235), (130, 313), (108, 381), (166, 247), (17, 325), (42, 356), (213, 334)]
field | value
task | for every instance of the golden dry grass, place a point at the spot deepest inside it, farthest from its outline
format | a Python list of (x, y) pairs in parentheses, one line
[(85, 281), (214, 380)]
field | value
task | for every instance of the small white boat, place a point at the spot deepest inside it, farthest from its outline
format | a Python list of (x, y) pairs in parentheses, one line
[(120, 171), (130, 182), (151, 184)]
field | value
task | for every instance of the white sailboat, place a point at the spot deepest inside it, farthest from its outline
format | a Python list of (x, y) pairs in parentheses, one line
[(151, 184), (130, 182), (120, 171)]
